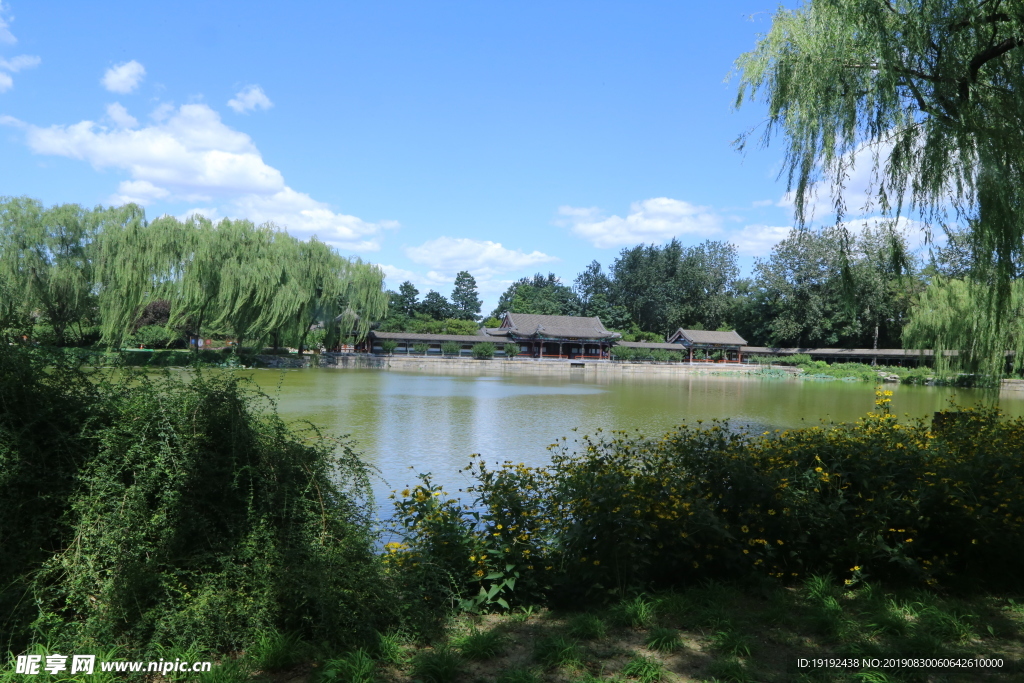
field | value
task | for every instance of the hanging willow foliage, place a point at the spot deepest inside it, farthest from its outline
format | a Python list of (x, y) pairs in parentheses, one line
[(930, 91), (252, 282), (945, 319)]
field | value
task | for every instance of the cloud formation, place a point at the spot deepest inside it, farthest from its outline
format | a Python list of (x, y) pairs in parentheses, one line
[(446, 256), (758, 240), (123, 78), (250, 98), (188, 154), (14, 64), (5, 27), (652, 220)]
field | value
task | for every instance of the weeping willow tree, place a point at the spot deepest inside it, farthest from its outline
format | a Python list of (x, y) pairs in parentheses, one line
[(945, 319), (46, 264), (251, 282), (929, 91)]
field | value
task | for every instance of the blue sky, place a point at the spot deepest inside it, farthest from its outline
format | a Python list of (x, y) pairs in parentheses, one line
[(499, 138)]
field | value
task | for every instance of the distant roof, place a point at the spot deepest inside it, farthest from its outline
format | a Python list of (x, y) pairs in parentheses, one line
[(558, 326), (729, 338), (650, 345), (429, 338), (815, 351)]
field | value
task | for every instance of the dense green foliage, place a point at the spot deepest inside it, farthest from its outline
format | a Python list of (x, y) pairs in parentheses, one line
[(946, 319), (143, 512), (929, 93), (68, 274), (904, 503), (483, 350)]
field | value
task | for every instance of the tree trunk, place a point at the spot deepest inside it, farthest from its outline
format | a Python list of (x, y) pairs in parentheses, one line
[(874, 361)]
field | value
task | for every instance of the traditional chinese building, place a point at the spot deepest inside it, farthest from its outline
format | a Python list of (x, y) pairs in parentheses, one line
[(555, 336), (729, 343)]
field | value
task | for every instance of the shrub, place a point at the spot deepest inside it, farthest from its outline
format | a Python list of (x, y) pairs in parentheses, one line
[(450, 348), (483, 350), (389, 346), (511, 350), (190, 495), (421, 348), (623, 352), (900, 502), (153, 337)]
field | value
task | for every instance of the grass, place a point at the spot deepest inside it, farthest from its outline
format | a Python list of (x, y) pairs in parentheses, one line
[(664, 639), (746, 634), (481, 645), (274, 651), (637, 612), (354, 667), (437, 666), (557, 650), (644, 669), (587, 627), (388, 647), (520, 675)]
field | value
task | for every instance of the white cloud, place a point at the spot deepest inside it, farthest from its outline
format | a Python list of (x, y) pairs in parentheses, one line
[(305, 216), (758, 240), (123, 78), (652, 220), (189, 154), (14, 64), (120, 116), (138, 192), (5, 31), (483, 258), (249, 98)]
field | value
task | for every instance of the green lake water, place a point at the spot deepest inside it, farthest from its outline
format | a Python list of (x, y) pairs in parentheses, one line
[(405, 422)]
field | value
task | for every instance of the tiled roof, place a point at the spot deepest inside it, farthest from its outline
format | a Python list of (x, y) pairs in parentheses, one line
[(729, 338), (429, 338), (652, 345), (560, 326), (814, 351)]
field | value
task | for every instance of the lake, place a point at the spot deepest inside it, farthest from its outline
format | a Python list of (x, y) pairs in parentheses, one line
[(405, 423)]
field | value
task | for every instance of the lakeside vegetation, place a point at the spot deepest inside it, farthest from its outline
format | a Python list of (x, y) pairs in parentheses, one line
[(162, 517)]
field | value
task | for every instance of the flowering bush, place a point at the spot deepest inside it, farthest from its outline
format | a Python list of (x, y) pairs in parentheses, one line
[(916, 503)]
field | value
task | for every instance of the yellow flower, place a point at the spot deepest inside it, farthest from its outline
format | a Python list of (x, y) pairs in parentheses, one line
[(597, 562), (405, 493)]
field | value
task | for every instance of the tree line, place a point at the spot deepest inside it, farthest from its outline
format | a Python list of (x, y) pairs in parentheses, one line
[(817, 288), (76, 276)]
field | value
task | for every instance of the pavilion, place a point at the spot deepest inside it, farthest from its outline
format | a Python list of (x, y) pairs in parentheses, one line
[(555, 336), (728, 342)]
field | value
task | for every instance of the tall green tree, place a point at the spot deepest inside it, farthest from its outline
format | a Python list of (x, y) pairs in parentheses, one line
[(46, 262), (465, 301), (539, 295), (670, 286), (928, 91), (406, 299), (436, 306), (799, 290), (253, 282)]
